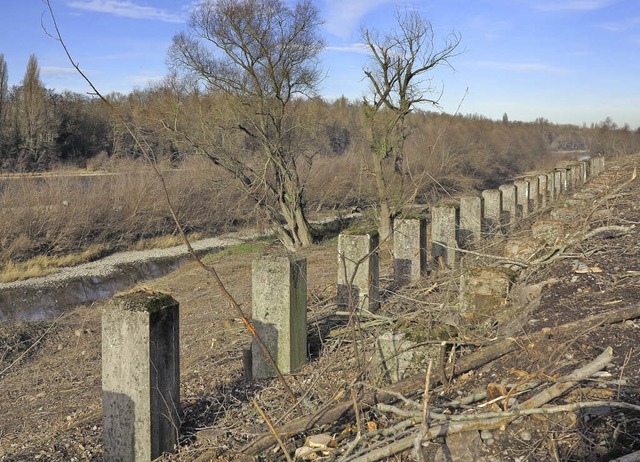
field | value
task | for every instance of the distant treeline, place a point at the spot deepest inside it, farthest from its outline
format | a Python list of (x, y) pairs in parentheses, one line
[(42, 130)]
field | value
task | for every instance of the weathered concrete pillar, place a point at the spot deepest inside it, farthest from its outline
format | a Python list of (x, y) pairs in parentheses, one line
[(574, 175), (395, 355), (409, 249), (543, 189), (445, 223), (470, 221), (562, 177), (534, 193), (492, 210), (551, 186), (358, 270), (279, 297), (585, 170), (522, 197), (597, 165), (140, 376), (557, 183), (509, 204), (484, 290)]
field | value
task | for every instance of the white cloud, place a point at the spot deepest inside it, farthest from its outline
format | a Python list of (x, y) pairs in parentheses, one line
[(57, 72), (126, 9), (342, 18), (621, 25), (574, 5), (353, 48), (523, 67)]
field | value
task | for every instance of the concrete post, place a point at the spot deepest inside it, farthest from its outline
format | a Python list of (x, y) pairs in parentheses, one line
[(492, 209), (279, 297), (140, 376), (509, 205), (551, 186), (534, 193), (597, 165), (522, 197), (557, 183), (358, 271), (543, 189), (470, 221), (572, 176), (445, 221), (562, 177), (409, 249), (586, 173)]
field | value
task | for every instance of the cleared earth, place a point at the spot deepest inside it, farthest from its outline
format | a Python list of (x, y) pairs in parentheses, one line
[(50, 370)]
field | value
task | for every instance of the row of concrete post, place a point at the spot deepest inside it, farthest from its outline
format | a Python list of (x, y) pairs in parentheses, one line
[(140, 330)]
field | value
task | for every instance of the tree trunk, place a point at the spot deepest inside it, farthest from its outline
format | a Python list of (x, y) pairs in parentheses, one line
[(291, 206), (296, 233), (385, 225)]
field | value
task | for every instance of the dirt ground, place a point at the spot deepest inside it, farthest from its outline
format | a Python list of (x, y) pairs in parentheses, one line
[(50, 396)]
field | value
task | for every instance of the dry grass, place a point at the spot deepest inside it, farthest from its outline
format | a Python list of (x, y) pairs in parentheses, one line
[(61, 218), (41, 265)]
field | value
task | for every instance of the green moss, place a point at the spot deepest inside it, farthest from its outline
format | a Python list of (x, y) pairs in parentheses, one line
[(412, 216), (362, 227), (238, 249), (145, 301)]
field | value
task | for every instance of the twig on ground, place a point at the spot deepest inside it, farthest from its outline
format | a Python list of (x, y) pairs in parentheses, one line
[(271, 429)]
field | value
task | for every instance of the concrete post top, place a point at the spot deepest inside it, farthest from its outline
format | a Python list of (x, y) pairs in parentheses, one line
[(412, 217), (291, 257), (360, 231), (143, 300), (447, 204)]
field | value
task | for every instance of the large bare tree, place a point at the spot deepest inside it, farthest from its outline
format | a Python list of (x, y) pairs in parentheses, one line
[(400, 77), (257, 59)]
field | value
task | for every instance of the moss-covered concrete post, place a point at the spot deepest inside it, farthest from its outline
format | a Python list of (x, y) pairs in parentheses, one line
[(491, 211), (470, 221), (279, 298), (445, 224), (522, 197), (509, 205), (140, 376), (358, 270), (409, 249)]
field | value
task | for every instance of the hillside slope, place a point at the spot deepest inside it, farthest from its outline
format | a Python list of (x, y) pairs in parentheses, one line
[(586, 278)]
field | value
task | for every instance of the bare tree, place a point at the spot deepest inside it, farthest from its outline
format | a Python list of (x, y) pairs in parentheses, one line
[(32, 114), (4, 91), (399, 74), (258, 58)]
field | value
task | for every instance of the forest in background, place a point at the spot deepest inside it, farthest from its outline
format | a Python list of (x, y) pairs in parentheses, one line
[(42, 131)]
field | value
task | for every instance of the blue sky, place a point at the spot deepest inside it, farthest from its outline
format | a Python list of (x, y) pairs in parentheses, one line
[(570, 61)]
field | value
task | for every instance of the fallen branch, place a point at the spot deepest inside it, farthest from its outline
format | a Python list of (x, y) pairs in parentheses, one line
[(415, 384), (501, 419)]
